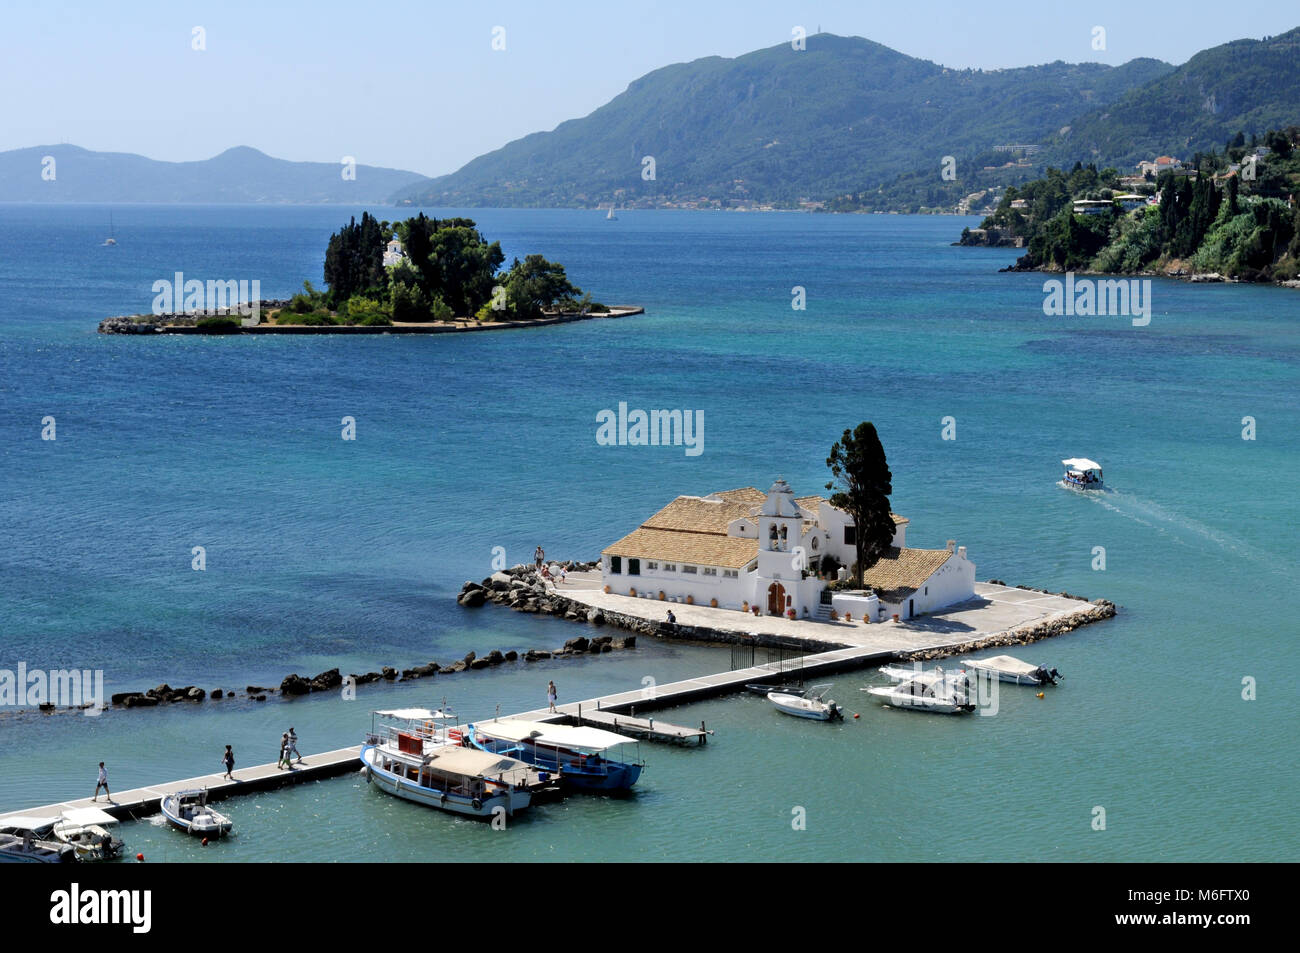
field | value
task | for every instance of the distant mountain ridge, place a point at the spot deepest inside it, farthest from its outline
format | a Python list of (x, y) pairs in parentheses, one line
[(779, 124), (238, 175)]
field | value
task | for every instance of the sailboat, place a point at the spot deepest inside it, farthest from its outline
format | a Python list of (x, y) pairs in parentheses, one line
[(611, 217), (110, 240)]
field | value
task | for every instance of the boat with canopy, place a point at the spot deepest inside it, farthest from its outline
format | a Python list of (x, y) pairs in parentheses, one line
[(581, 755), (1082, 474)]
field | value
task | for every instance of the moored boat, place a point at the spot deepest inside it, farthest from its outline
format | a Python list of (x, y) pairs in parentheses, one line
[(758, 688), (410, 753), (1082, 474), (28, 840), (807, 705), (85, 829), (1009, 669), (579, 754), (189, 811), (934, 691)]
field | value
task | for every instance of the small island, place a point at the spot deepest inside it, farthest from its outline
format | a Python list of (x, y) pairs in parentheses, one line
[(422, 275), (1229, 216)]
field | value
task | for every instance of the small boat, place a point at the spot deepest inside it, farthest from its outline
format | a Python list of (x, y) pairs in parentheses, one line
[(936, 691), (1013, 670), (579, 755), (110, 240), (414, 755), (807, 705), (86, 830), (1082, 474), (611, 217), (28, 840), (758, 688), (189, 811)]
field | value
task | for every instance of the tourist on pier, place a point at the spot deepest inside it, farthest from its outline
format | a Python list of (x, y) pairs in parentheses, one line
[(672, 619), (102, 782), (228, 759), (539, 556), (284, 752), (564, 574), (293, 746), (551, 695)]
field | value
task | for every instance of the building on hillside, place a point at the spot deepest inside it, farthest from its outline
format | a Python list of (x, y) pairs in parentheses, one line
[(393, 252), (744, 547), (1092, 206)]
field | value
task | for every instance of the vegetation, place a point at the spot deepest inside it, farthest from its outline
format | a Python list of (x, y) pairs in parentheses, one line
[(1237, 217), (220, 324), (857, 462)]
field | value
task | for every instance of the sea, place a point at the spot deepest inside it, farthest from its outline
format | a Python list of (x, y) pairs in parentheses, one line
[(1171, 737)]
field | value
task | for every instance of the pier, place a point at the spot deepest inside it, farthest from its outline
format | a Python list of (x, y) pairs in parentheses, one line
[(1001, 615)]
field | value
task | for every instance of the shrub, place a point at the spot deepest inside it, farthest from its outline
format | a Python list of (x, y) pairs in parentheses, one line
[(220, 324)]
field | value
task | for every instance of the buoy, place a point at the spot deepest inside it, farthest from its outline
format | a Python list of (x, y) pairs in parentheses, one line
[(1040, 694), (205, 842), (139, 857), (856, 715)]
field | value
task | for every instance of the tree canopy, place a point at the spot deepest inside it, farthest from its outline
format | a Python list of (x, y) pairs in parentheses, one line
[(862, 484)]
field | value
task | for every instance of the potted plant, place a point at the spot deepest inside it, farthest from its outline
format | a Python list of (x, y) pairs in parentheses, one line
[(632, 592), (607, 589), (661, 595), (745, 606), (835, 616), (713, 603), (791, 614), (690, 600), (756, 610)]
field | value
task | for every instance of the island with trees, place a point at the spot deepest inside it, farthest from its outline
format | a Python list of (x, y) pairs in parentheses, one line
[(421, 275)]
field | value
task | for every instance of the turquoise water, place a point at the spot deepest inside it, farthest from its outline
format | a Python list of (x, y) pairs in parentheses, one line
[(323, 553)]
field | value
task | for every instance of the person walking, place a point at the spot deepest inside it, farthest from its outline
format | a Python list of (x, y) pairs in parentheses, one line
[(228, 759), (564, 574), (284, 752), (293, 746), (539, 556), (551, 695), (102, 782)]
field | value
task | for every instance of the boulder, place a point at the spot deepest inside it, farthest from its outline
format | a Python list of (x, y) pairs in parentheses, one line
[(499, 581), (161, 691), (579, 644), (596, 617), (628, 642), (602, 639), (196, 694), (511, 655), (479, 663), (459, 666), (326, 681), (218, 693), (141, 701), (257, 690), (423, 670), (472, 598), (495, 657), (121, 697), (604, 646), (469, 657), (258, 698), (293, 685), (390, 673)]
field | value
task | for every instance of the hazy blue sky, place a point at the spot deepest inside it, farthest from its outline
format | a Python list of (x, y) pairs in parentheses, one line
[(418, 85)]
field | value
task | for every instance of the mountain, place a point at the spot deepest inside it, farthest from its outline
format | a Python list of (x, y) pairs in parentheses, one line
[(237, 175), (1243, 86), (778, 124)]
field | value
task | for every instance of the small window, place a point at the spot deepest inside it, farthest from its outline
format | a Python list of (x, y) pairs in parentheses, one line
[(670, 567), (690, 569), (634, 567), (729, 573), (615, 563), (710, 571), (850, 536), (651, 565)]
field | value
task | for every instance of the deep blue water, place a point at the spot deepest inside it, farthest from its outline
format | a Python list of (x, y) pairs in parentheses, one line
[(323, 552)]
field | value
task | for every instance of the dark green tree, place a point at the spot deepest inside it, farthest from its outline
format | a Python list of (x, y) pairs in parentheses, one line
[(857, 462), (536, 285)]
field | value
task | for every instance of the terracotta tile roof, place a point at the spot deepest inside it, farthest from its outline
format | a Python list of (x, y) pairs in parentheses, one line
[(675, 546), (902, 571), (695, 514), (746, 494)]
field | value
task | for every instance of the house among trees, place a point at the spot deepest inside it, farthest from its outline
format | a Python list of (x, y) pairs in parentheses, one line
[(394, 252), (744, 548)]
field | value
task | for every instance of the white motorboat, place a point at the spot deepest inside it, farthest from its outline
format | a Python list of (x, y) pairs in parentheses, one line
[(86, 830), (27, 840), (414, 755), (807, 705), (189, 811), (936, 691), (1082, 474), (1009, 669)]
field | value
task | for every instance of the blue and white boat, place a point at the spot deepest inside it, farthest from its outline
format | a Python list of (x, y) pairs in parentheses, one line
[(189, 811), (412, 754), (580, 755), (1082, 474)]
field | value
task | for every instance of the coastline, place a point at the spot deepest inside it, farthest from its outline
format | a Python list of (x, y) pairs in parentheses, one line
[(152, 324)]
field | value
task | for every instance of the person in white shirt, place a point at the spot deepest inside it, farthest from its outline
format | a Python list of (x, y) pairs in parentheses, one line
[(102, 783)]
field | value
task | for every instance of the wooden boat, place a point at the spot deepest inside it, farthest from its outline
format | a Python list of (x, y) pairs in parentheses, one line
[(934, 691), (1009, 669), (579, 755), (807, 705), (1082, 474), (412, 754), (189, 811)]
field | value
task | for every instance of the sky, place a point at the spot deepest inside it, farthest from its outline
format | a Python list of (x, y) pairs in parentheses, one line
[(419, 86)]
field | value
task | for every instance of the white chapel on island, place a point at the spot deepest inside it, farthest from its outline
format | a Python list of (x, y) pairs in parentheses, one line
[(746, 547)]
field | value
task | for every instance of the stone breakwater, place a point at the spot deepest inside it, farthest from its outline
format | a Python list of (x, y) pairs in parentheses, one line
[(154, 323)]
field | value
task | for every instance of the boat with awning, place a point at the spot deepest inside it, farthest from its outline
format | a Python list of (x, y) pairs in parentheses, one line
[(1081, 474), (584, 757)]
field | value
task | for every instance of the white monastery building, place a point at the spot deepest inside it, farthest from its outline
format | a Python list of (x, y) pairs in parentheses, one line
[(745, 547), (393, 252)]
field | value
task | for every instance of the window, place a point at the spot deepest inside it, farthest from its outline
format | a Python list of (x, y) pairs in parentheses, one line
[(651, 565), (670, 567), (850, 536), (690, 569), (615, 563), (634, 567), (729, 574), (710, 571)]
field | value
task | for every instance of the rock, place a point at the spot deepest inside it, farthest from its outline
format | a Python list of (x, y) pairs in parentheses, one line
[(629, 642), (293, 685), (511, 655), (424, 670), (472, 599), (46, 706), (532, 655), (259, 698), (390, 673), (217, 693), (577, 645), (162, 691), (196, 694), (495, 657), (479, 663), (257, 690), (602, 639), (326, 681), (469, 657), (605, 647), (499, 581), (594, 648), (121, 697), (596, 617), (458, 666), (141, 701)]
